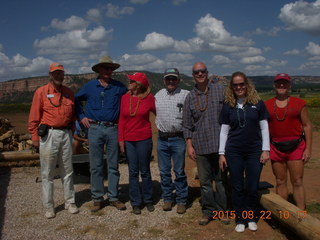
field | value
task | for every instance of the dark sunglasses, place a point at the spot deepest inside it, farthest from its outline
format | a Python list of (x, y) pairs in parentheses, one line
[(235, 85), (171, 78), (199, 70)]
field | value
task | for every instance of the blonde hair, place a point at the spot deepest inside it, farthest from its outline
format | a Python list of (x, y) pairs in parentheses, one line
[(251, 97), (142, 91)]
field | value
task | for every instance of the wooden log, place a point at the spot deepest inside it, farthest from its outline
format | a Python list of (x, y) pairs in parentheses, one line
[(18, 156), (301, 223), (6, 135)]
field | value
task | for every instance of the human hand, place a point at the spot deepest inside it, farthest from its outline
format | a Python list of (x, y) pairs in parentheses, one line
[(265, 156), (121, 145), (306, 156), (191, 153), (223, 163), (85, 122)]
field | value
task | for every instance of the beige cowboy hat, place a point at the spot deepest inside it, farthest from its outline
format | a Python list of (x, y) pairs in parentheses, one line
[(105, 61)]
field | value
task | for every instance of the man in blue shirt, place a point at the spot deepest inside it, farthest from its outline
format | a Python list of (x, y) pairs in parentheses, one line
[(102, 96)]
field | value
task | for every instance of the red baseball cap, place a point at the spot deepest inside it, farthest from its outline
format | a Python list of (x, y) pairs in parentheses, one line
[(140, 77), (283, 76)]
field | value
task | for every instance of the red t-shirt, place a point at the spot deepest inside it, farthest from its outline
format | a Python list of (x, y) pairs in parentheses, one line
[(291, 126), (137, 127)]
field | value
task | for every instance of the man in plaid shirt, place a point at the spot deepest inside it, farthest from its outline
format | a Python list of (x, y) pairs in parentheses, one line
[(201, 130)]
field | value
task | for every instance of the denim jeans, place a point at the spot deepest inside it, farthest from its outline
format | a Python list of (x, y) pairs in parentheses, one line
[(172, 149), (139, 156), (99, 136), (208, 170), (55, 148), (245, 169)]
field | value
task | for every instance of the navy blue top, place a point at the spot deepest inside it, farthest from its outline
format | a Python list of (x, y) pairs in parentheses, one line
[(244, 134), (102, 103)]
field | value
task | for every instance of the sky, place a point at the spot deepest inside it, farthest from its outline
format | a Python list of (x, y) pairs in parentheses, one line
[(255, 37)]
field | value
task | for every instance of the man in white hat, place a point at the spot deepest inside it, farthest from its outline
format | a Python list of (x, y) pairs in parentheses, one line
[(100, 115)]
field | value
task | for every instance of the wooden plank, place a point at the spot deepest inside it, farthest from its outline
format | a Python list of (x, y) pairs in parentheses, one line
[(298, 221), (18, 156)]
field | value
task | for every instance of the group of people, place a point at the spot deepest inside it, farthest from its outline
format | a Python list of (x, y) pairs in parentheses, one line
[(227, 131)]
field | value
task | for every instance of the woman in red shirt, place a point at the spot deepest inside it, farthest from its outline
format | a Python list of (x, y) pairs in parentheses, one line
[(135, 137), (291, 139)]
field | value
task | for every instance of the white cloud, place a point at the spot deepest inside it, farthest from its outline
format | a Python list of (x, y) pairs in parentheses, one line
[(156, 41), (278, 63), (139, 1), (310, 65), (302, 16), (94, 15), (249, 52), (212, 31), (20, 66), (210, 36), (272, 32), (114, 11), (141, 62), (253, 60), (220, 59), (178, 2), (313, 49), (72, 23), (178, 57), (77, 44), (292, 52)]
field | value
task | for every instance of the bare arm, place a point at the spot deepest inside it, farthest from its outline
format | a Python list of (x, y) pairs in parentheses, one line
[(307, 128)]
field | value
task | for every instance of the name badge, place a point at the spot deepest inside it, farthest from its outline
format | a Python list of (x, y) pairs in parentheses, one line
[(50, 96)]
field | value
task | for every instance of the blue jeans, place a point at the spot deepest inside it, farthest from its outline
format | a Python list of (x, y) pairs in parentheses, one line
[(245, 169), (208, 171), (139, 156), (172, 148), (99, 136)]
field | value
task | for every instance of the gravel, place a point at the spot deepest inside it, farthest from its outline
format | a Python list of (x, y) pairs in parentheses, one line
[(22, 214)]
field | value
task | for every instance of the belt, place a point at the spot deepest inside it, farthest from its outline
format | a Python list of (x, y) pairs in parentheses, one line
[(60, 128), (104, 123), (170, 134)]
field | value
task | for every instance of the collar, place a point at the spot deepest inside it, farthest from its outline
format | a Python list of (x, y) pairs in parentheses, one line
[(52, 88), (200, 92), (174, 92)]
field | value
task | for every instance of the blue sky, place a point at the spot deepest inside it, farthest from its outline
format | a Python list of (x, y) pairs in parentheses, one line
[(256, 37)]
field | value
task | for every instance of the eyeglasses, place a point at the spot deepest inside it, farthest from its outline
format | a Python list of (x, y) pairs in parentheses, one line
[(282, 84), (199, 71), (236, 85), (171, 79)]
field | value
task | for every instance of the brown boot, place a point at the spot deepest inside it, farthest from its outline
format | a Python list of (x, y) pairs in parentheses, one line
[(97, 206), (119, 205), (181, 208), (167, 206)]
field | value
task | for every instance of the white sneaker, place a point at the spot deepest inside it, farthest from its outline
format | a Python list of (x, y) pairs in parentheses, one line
[(252, 226), (71, 207), (50, 213), (240, 228)]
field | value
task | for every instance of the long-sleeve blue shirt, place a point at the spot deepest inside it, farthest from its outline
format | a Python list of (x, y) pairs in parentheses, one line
[(102, 103)]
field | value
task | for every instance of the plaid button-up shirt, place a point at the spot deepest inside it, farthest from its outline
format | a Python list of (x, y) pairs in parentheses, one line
[(203, 127)]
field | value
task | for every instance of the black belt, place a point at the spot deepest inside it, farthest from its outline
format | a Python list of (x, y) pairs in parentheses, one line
[(68, 127), (103, 123), (60, 128), (170, 134)]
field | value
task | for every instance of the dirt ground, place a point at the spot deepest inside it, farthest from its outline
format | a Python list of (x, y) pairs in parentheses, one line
[(271, 228)]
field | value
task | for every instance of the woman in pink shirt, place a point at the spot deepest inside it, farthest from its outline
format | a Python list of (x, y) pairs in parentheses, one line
[(135, 137)]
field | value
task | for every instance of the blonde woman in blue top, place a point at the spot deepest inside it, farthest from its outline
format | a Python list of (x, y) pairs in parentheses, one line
[(244, 147)]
